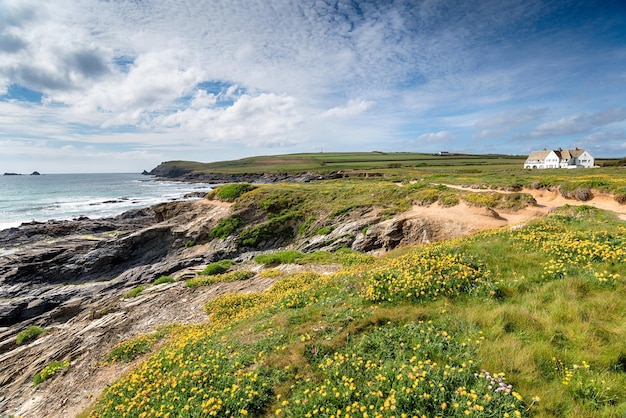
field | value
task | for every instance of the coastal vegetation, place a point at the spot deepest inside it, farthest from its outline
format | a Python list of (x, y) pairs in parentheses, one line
[(164, 279), (507, 322), (134, 292), (29, 334), (50, 370)]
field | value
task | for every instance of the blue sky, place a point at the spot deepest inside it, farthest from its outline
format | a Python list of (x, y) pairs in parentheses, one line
[(121, 85)]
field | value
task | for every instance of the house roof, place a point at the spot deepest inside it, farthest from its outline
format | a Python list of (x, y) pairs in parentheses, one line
[(538, 155), (563, 154)]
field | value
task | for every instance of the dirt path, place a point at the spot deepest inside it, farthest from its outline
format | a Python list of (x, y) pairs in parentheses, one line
[(550, 199), (466, 219)]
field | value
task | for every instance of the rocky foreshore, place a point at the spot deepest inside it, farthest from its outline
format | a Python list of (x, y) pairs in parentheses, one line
[(49, 263)]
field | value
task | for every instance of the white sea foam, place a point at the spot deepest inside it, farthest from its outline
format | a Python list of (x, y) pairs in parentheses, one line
[(68, 196)]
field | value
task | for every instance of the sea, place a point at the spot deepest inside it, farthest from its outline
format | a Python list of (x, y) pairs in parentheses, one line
[(26, 198)]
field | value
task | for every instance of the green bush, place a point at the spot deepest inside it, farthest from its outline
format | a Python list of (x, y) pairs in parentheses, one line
[(282, 257), (230, 192), (164, 279), (49, 371), (277, 203), (489, 200), (516, 201), (278, 227), (218, 267), (224, 228), (134, 292), (324, 230), (28, 334)]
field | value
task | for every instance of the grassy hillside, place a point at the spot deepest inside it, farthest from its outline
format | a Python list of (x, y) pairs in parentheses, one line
[(326, 162), (499, 171), (524, 322)]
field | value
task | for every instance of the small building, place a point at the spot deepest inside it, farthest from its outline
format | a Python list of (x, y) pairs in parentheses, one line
[(560, 158)]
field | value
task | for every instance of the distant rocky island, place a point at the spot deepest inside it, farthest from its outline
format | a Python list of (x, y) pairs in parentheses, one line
[(34, 173)]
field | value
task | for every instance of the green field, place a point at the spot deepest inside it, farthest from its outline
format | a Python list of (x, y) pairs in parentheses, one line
[(327, 162), (499, 171)]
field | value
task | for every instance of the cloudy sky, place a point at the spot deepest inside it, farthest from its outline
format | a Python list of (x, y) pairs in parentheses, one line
[(121, 85)]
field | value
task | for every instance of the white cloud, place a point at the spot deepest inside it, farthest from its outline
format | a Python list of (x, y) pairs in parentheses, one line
[(440, 137), (248, 118), (203, 99), (580, 123), (353, 108), (505, 122)]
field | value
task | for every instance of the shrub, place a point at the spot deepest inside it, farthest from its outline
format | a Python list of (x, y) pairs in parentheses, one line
[(224, 228), (230, 192), (489, 200), (218, 267), (516, 201), (164, 279), (49, 371), (282, 257), (134, 292), (427, 197), (270, 273), (325, 230), (28, 334), (620, 198), (583, 194), (277, 203), (280, 227), (189, 244), (449, 200)]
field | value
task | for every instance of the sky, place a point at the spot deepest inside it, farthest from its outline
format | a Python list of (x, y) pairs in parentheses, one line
[(122, 85)]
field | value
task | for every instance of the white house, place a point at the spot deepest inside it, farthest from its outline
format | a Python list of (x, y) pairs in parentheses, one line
[(560, 158)]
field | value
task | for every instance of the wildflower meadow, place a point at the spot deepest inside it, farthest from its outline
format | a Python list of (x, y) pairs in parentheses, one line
[(505, 323)]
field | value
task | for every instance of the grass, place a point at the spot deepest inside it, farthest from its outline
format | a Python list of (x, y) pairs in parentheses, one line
[(232, 276), (164, 279), (129, 350), (134, 292), (525, 322), (219, 267), (342, 256), (296, 163), (273, 215), (29, 334), (230, 192)]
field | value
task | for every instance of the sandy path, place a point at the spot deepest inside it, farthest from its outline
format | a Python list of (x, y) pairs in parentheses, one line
[(471, 218)]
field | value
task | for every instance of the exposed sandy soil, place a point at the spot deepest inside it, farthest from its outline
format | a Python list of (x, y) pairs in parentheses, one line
[(547, 200)]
